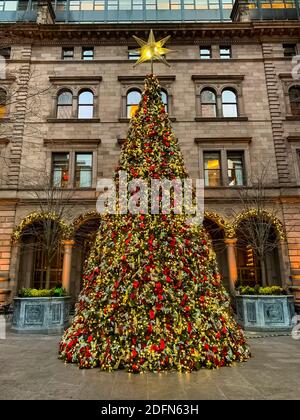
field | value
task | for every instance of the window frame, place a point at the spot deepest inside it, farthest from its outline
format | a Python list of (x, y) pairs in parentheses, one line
[(225, 146), (225, 56), (294, 86), (205, 56), (76, 153), (71, 105), (79, 148), (242, 153), (85, 49), (66, 58), (52, 170), (215, 103), (220, 169), (79, 105), (236, 103), (288, 47)]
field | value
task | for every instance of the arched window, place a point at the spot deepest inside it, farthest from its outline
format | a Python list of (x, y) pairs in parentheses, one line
[(64, 104), (86, 104), (3, 98), (229, 103), (294, 96), (133, 99), (208, 103), (164, 98)]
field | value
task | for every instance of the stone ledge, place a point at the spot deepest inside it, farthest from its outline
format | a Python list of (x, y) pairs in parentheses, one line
[(73, 120), (220, 119)]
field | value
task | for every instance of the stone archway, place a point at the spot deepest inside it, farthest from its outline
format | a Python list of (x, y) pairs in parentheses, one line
[(85, 231), (217, 236), (250, 270)]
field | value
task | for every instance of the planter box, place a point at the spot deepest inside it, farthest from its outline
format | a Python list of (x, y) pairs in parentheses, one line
[(42, 315), (265, 312)]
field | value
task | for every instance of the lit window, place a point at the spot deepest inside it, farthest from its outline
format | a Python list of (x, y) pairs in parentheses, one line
[(60, 169), (229, 104), (208, 103), (212, 169), (87, 53), (235, 167), (225, 52), (85, 104), (164, 98), (3, 99), (133, 100), (289, 50), (64, 104), (68, 53), (83, 170), (205, 53), (294, 96), (133, 54)]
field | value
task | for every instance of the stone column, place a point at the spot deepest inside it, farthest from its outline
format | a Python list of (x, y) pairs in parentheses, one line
[(67, 264), (232, 267)]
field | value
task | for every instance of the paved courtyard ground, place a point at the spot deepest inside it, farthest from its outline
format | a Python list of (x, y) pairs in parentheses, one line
[(30, 370)]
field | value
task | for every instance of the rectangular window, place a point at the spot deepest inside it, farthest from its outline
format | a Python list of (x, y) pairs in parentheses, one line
[(60, 169), (68, 53), (235, 167), (133, 54), (5, 52), (87, 53), (225, 52), (83, 170), (212, 169), (289, 50), (205, 53)]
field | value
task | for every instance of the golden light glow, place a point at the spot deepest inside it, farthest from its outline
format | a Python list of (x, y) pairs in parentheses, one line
[(152, 50)]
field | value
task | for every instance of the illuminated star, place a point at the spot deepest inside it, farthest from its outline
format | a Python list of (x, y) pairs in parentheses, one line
[(152, 50)]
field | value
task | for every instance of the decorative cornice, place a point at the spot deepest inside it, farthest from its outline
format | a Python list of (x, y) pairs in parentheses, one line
[(142, 78), (75, 79), (84, 142), (238, 140), (220, 119), (73, 120), (121, 34), (210, 77)]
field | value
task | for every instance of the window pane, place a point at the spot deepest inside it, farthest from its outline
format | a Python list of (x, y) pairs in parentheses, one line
[(133, 54), (85, 111), (212, 169), (208, 96), (65, 98), (67, 53), (294, 95), (225, 52), (11, 5), (86, 98), (208, 104), (83, 170), (205, 52), (235, 166), (289, 50), (133, 100), (88, 53), (229, 104), (164, 98), (2, 103), (60, 169)]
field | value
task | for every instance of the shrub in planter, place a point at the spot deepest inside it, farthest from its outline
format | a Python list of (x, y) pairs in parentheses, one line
[(264, 308), (43, 311)]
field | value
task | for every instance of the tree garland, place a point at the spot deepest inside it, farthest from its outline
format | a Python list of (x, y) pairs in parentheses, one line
[(222, 223), (277, 224), (93, 214), (39, 216)]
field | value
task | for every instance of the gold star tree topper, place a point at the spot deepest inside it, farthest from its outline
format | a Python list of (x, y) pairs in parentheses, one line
[(152, 50)]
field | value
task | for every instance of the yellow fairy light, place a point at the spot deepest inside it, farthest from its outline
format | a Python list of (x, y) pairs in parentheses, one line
[(152, 50)]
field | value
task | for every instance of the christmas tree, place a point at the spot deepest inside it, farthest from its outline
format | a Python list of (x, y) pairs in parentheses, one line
[(152, 297)]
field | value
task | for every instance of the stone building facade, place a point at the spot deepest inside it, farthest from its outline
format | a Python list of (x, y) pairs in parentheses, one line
[(231, 93)]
